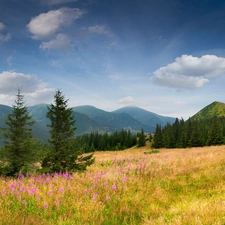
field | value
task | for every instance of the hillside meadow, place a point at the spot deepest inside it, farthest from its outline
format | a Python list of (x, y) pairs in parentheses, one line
[(174, 186)]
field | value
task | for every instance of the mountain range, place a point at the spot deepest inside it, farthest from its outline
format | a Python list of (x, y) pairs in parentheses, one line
[(91, 119)]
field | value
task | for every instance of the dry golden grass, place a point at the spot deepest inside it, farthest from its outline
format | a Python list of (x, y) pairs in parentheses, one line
[(175, 186)]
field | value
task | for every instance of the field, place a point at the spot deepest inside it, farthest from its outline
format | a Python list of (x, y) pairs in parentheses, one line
[(174, 186)]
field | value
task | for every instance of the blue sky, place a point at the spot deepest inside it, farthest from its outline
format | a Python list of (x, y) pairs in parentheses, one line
[(167, 57)]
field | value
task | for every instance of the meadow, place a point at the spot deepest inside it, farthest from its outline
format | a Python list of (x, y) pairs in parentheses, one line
[(173, 186)]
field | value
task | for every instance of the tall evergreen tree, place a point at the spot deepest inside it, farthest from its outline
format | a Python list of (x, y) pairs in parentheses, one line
[(18, 144), (158, 137), (215, 134), (141, 139), (63, 157)]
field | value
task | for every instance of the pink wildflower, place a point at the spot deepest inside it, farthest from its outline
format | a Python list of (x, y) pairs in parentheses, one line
[(114, 187)]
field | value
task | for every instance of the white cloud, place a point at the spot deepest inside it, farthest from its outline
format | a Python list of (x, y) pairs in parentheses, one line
[(99, 29), (4, 37), (61, 42), (126, 101), (9, 60), (2, 26), (35, 90), (47, 24), (189, 72), (56, 2)]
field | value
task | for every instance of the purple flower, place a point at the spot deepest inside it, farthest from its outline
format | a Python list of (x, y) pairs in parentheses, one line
[(114, 187), (20, 176), (61, 190), (45, 205), (124, 179)]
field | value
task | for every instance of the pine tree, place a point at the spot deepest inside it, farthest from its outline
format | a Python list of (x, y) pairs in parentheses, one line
[(215, 136), (157, 141), (141, 139), (63, 157), (18, 144)]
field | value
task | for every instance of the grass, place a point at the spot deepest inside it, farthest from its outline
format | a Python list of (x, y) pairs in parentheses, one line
[(179, 186)]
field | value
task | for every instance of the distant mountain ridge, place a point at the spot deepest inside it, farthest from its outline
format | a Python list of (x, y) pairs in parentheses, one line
[(91, 119), (213, 109)]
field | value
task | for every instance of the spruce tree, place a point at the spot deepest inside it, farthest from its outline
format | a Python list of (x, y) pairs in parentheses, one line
[(141, 139), (63, 155), (17, 152)]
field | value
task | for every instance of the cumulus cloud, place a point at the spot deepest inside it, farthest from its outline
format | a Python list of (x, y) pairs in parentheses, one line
[(189, 72), (2, 26), (127, 100), (47, 24), (4, 37), (56, 2), (99, 29), (35, 90), (61, 42)]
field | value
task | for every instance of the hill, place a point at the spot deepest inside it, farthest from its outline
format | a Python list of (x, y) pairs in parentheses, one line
[(213, 109), (115, 121), (145, 117)]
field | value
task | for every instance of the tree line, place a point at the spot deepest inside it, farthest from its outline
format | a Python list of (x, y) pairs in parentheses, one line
[(119, 140), (190, 133)]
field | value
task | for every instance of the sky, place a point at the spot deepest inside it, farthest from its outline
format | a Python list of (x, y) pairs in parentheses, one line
[(167, 57)]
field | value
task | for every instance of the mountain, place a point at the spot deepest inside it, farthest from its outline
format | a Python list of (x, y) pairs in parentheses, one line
[(91, 119), (213, 109), (115, 121), (145, 117)]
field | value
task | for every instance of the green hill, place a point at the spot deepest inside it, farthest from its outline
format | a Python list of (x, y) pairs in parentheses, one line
[(213, 109), (145, 117)]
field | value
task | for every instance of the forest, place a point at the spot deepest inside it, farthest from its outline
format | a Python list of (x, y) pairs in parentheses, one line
[(118, 140), (190, 133)]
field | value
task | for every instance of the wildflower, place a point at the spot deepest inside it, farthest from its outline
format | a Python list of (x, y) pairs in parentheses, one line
[(20, 176), (61, 190), (95, 196), (107, 198), (124, 179), (12, 186), (114, 187), (24, 203), (45, 205), (85, 191)]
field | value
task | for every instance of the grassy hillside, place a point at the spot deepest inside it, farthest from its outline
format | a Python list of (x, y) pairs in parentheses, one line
[(184, 186), (213, 109)]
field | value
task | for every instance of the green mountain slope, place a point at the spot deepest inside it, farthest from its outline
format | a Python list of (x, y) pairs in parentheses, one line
[(145, 117), (213, 109), (116, 121)]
